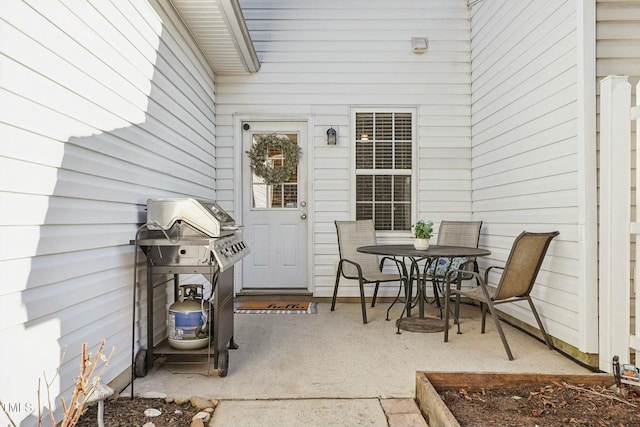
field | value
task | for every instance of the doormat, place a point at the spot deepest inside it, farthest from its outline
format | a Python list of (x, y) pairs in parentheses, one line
[(276, 307)]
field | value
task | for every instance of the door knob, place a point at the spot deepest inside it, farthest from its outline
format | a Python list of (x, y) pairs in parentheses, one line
[(303, 215)]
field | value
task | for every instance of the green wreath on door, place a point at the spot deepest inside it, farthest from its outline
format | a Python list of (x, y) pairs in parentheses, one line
[(262, 166)]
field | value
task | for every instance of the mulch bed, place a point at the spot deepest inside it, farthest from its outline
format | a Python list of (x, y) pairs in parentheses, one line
[(125, 412), (552, 405)]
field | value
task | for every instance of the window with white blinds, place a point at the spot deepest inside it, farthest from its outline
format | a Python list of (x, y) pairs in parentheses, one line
[(384, 143)]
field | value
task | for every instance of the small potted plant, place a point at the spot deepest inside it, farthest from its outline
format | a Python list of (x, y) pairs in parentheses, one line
[(422, 232)]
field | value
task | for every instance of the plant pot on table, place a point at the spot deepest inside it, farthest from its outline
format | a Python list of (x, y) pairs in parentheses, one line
[(421, 244)]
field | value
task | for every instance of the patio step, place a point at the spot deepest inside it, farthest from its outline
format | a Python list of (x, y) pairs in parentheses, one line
[(403, 413)]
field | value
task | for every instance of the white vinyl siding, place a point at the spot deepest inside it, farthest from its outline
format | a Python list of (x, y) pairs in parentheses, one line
[(321, 59), (618, 42), (618, 52), (618, 38), (103, 105), (524, 144)]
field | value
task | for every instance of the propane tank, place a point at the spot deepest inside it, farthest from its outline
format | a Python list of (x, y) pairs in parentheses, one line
[(189, 319)]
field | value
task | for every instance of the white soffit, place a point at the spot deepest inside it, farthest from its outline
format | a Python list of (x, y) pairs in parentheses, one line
[(219, 29)]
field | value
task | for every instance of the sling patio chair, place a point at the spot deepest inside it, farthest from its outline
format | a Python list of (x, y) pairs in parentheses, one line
[(453, 233), (515, 284), (362, 267)]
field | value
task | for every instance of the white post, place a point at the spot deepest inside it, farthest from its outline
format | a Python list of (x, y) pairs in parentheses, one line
[(615, 218), (635, 230)]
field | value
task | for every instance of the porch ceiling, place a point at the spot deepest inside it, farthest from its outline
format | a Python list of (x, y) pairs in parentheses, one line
[(219, 29)]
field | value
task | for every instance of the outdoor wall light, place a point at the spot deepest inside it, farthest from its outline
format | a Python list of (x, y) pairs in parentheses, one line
[(419, 44), (332, 136)]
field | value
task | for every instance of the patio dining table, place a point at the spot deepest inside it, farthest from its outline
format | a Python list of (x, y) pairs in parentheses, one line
[(421, 323)]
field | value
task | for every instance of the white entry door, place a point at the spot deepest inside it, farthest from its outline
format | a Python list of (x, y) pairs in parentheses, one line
[(275, 215)]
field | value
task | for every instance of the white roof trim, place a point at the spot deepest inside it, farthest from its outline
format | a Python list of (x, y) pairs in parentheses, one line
[(219, 29)]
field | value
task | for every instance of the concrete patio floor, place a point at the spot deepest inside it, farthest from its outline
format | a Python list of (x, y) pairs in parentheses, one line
[(330, 369)]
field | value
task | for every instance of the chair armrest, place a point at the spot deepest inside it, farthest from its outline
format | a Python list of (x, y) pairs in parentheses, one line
[(486, 272), (401, 266), (355, 264), (482, 283), (472, 262), (459, 273), (464, 268)]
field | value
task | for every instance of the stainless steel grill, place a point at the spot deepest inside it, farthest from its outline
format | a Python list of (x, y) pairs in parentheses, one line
[(187, 236)]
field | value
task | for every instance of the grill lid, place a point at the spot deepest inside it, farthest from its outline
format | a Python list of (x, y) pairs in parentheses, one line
[(203, 215)]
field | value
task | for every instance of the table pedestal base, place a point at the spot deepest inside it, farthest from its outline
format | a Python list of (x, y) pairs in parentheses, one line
[(417, 324)]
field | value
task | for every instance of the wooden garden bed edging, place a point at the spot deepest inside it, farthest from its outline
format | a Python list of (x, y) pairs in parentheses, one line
[(436, 412)]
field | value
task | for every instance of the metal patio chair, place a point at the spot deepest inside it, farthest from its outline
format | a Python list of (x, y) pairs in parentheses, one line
[(453, 233), (516, 282), (364, 268)]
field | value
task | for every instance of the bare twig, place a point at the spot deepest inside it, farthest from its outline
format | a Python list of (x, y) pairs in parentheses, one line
[(39, 405), (7, 414), (48, 385), (85, 384), (608, 396)]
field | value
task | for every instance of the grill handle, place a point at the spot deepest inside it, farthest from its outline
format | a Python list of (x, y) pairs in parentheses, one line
[(234, 227)]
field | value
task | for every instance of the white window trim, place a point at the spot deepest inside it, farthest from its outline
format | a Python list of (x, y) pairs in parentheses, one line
[(414, 164)]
